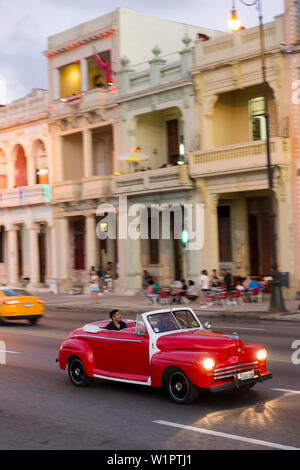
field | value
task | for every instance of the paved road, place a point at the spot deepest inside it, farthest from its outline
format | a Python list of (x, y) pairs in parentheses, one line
[(40, 409)]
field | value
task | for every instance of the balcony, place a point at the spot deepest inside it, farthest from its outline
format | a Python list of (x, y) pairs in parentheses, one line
[(160, 180), (25, 196), (92, 100), (88, 188), (245, 157)]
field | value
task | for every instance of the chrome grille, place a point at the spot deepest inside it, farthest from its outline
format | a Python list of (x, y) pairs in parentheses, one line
[(229, 371)]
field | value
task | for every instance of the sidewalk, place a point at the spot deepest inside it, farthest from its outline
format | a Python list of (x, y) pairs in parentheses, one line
[(138, 303)]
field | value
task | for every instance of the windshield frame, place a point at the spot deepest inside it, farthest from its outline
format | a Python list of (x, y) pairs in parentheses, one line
[(172, 312)]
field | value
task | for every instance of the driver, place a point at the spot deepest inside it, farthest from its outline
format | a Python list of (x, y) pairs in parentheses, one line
[(116, 321)]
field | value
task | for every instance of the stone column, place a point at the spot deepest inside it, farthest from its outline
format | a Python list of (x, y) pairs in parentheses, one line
[(34, 267), (56, 84), (91, 241), (87, 153), (84, 75), (61, 244), (31, 175), (211, 236), (12, 242), (11, 174), (241, 239), (60, 158)]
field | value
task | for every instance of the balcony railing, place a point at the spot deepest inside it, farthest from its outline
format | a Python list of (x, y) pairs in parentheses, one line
[(162, 179), (92, 100), (88, 188), (25, 196), (248, 156)]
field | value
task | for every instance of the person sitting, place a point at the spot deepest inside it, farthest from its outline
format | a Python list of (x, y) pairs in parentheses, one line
[(151, 292), (175, 290), (156, 287), (191, 293), (116, 321)]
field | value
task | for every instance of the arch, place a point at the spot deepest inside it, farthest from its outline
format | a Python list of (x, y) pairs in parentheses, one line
[(40, 163), (3, 170), (20, 160)]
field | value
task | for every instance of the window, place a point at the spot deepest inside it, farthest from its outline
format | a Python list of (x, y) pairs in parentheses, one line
[(79, 245), (173, 141), (258, 125), (97, 77), (224, 224), (70, 80)]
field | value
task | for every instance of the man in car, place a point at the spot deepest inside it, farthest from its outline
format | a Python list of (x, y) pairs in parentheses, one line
[(116, 321)]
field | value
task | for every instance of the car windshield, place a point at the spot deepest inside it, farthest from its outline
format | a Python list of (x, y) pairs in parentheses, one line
[(169, 321), (16, 292)]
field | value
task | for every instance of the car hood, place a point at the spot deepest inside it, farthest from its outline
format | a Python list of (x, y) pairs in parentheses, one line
[(201, 340)]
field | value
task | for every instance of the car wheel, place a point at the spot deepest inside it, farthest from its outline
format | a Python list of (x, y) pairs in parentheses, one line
[(180, 389), (33, 321), (77, 373)]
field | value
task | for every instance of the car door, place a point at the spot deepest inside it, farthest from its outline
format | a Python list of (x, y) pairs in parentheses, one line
[(128, 355)]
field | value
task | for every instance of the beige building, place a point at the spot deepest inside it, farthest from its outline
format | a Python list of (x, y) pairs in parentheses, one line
[(25, 193), (92, 122), (229, 166)]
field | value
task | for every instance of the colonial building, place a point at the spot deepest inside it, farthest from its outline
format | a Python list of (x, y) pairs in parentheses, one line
[(25, 194), (230, 164), (292, 50), (97, 112)]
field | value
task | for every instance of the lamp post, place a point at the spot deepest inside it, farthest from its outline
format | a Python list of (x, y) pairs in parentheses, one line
[(276, 301)]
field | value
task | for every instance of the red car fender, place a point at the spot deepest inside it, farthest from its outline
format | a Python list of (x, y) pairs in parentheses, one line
[(76, 347), (190, 362)]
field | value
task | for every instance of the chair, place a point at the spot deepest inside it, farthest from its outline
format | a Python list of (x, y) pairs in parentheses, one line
[(164, 297), (256, 295)]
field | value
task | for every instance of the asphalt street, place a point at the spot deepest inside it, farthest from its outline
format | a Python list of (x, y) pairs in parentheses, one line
[(41, 410)]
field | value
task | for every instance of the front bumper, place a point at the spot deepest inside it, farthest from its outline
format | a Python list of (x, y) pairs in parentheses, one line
[(237, 384), (20, 317)]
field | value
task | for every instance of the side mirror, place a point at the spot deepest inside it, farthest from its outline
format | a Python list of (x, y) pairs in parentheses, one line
[(142, 333), (207, 325)]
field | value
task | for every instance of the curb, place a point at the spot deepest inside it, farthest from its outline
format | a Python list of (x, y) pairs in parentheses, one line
[(203, 313)]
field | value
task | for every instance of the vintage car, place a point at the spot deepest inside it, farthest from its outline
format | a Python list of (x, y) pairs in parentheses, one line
[(164, 348), (19, 304)]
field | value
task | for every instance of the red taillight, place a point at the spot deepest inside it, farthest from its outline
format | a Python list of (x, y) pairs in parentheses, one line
[(40, 301), (11, 302)]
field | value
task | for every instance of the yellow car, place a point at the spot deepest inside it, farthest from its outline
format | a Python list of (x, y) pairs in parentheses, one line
[(19, 304)]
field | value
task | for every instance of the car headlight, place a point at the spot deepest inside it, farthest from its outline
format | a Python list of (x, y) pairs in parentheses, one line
[(209, 363), (261, 354)]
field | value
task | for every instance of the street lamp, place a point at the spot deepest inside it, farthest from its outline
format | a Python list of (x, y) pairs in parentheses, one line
[(276, 301)]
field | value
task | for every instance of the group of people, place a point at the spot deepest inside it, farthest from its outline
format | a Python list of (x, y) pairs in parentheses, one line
[(100, 281), (209, 287)]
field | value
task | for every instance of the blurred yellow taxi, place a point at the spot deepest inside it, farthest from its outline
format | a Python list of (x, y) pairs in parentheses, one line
[(19, 304)]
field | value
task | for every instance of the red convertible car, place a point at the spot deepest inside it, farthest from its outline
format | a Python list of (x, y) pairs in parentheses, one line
[(164, 348)]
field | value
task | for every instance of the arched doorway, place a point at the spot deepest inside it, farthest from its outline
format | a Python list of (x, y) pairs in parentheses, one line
[(20, 167), (39, 155), (3, 170)]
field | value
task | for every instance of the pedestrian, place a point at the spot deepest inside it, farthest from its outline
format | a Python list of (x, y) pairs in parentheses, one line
[(215, 282), (146, 278), (101, 279), (204, 289), (228, 280), (191, 293), (94, 287)]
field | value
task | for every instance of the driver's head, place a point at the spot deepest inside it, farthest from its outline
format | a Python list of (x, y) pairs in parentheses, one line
[(115, 315)]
